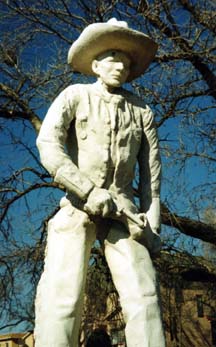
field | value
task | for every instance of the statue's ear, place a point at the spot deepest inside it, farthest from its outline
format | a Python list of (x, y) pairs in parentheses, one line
[(95, 67)]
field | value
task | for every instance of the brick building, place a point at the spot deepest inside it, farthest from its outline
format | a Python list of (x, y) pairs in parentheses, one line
[(17, 340)]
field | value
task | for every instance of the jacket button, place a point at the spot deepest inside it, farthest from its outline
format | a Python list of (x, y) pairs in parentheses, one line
[(102, 175), (83, 135)]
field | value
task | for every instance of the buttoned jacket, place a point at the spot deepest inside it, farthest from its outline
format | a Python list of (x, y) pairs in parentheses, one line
[(90, 138)]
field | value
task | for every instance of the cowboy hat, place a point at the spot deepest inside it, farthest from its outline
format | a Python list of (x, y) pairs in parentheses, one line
[(98, 38)]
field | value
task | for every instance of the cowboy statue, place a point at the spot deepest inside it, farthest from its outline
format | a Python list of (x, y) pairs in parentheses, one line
[(91, 140)]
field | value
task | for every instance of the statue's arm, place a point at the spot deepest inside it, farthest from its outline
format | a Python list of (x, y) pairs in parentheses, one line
[(51, 145), (150, 171)]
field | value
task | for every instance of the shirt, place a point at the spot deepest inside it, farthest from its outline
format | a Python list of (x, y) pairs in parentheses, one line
[(90, 138)]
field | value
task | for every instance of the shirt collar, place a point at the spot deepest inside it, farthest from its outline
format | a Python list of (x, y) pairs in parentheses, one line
[(115, 97)]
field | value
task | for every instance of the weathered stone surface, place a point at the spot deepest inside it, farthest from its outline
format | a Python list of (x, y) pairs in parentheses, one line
[(90, 141)]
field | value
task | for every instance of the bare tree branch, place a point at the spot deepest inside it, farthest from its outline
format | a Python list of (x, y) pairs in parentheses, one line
[(189, 226), (27, 112), (206, 18), (19, 195)]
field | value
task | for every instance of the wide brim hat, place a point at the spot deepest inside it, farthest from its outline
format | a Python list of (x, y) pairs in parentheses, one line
[(98, 38)]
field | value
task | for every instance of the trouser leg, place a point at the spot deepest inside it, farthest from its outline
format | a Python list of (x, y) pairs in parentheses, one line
[(60, 291), (134, 277)]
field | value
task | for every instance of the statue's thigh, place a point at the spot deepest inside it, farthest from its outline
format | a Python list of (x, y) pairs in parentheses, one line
[(130, 264), (70, 237)]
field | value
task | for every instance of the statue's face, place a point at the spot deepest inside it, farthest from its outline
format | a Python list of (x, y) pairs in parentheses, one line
[(112, 68)]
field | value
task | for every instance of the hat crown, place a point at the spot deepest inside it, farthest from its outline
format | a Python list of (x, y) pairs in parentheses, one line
[(114, 21)]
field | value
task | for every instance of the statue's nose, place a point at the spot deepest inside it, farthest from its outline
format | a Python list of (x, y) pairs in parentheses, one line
[(120, 66)]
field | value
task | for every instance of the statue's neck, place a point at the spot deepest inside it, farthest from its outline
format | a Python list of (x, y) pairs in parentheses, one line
[(105, 89)]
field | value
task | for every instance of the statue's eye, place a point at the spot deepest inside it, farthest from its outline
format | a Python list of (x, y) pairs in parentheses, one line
[(113, 54)]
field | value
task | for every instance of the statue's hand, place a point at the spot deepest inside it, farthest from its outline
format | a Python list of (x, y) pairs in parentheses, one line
[(99, 202), (137, 226), (153, 215)]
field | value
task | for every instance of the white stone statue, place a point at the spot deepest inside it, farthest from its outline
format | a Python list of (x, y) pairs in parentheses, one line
[(90, 141)]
